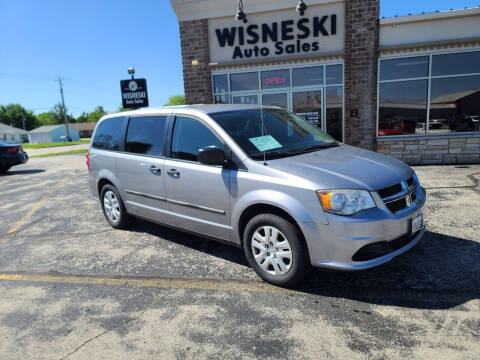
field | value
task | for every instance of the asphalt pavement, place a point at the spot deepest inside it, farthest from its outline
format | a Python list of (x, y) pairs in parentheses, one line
[(73, 287)]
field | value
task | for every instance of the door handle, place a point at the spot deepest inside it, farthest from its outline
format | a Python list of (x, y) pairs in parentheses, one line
[(173, 172), (155, 169)]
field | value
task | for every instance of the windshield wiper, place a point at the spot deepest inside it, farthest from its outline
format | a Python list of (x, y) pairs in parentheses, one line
[(274, 154), (271, 154), (315, 147)]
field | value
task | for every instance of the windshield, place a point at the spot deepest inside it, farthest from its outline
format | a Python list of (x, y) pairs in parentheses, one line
[(284, 133)]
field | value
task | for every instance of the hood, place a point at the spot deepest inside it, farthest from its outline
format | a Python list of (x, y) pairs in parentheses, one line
[(345, 167)]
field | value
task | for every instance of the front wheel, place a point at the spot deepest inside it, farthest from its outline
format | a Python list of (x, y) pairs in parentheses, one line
[(275, 249), (113, 208)]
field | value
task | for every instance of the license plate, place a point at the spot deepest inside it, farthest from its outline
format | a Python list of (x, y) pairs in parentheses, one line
[(417, 223)]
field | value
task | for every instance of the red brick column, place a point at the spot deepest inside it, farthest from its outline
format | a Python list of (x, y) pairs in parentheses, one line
[(361, 59), (196, 78)]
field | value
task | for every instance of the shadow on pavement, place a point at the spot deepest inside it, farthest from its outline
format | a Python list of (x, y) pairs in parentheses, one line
[(23, 172), (440, 272)]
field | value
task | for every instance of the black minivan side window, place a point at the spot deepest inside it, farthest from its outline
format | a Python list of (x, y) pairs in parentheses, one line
[(189, 135), (109, 134), (145, 135)]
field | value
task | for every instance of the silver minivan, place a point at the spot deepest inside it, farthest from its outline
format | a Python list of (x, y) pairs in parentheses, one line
[(260, 178)]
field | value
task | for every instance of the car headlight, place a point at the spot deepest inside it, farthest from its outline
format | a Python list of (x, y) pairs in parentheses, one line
[(345, 202)]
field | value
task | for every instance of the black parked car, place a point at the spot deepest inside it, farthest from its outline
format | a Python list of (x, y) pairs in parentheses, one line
[(11, 155)]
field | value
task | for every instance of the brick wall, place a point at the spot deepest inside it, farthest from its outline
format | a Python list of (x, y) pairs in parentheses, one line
[(197, 78), (361, 56), (453, 150)]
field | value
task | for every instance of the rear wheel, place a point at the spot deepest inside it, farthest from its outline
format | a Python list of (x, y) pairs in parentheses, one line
[(113, 208), (275, 248)]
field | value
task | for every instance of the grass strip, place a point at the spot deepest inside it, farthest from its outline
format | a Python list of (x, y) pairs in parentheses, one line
[(61, 153), (55, 144)]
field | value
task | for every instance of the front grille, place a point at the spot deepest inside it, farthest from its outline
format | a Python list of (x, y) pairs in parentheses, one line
[(389, 191), (381, 248), (399, 196), (397, 205), (410, 181)]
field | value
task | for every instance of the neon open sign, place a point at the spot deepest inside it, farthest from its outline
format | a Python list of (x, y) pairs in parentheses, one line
[(276, 80)]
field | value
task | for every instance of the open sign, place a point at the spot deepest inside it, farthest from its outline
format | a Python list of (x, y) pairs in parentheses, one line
[(276, 80)]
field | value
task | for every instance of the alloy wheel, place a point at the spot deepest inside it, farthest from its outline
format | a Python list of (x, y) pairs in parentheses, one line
[(111, 206), (271, 250)]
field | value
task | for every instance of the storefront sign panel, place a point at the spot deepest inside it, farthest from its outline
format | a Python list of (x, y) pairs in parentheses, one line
[(278, 34)]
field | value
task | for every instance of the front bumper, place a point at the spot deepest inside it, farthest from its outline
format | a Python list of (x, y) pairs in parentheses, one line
[(24, 157), (335, 245), (16, 159)]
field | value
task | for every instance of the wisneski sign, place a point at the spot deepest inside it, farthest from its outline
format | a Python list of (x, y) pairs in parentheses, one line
[(276, 34), (279, 33)]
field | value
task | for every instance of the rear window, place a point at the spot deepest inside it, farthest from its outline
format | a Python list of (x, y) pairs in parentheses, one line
[(109, 134), (145, 135)]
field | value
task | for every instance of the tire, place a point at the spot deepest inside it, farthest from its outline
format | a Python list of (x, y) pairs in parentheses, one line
[(3, 170), (113, 208), (287, 262)]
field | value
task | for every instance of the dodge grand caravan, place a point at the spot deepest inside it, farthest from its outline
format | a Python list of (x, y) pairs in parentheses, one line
[(260, 178)]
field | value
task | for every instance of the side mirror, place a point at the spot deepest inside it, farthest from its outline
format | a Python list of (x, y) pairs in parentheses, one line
[(211, 155)]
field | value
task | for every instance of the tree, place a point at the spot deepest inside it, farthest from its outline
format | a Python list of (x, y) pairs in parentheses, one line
[(15, 115), (96, 114), (47, 118), (54, 116), (58, 110), (83, 117), (176, 100)]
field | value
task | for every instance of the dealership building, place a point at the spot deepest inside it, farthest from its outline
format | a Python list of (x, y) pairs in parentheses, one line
[(406, 86)]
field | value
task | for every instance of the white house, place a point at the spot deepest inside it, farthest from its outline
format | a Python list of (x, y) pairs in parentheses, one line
[(12, 135), (52, 133)]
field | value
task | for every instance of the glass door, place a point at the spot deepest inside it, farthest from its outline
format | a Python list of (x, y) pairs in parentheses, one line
[(308, 104), (251, 99), (279, 99)]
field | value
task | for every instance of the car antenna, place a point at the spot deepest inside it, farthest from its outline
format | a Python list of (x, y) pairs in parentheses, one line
[(263, 134)]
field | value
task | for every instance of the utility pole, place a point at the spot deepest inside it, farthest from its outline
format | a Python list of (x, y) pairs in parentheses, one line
[(65, 120)]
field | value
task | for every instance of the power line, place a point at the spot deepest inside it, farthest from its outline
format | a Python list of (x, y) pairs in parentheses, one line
[(5, 74), (26, 75), (90, 85)]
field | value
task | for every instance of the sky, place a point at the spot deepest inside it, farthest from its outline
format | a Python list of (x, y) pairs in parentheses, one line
[(91, 43)]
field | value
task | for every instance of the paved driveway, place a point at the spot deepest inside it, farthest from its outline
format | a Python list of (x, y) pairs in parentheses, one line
[(72, 287)]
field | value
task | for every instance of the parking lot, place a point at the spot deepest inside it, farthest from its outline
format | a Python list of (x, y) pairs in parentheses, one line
[(73, 287)]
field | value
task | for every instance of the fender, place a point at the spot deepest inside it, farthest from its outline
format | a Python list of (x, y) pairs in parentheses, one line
[(281, 200), (106, 174)]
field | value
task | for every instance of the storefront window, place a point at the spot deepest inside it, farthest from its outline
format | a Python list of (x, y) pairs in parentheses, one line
[(334, 111), (308, 76), (334, 74), (406, 68), (414, 99), (222, 99), (455, 104), (244, 81), (403, 107), (456, 64), (220, 84), (314, 92), (275, 79)]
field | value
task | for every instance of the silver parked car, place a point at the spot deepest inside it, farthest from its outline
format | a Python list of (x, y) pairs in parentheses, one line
[(260, 178)]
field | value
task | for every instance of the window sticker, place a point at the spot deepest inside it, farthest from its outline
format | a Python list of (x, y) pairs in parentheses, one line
[(264, 143)]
